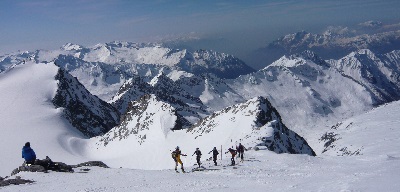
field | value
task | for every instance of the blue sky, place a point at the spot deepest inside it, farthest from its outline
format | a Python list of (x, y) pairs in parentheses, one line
[(246, 24)]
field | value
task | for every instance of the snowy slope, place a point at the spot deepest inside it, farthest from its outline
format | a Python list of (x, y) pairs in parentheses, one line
[(373, 72), (376, 168), (374, 134), (147, 129), (28, 114), (263, 171), (213, 92)]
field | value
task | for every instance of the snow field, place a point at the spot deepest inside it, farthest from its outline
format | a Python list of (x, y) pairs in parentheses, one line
[(261, 171), (27, 114)]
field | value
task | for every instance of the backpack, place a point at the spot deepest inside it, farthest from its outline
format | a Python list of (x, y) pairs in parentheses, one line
[(198, 153), (173, 155), (233, 152)]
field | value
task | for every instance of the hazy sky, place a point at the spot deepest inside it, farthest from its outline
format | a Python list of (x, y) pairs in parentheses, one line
[(245, 24)]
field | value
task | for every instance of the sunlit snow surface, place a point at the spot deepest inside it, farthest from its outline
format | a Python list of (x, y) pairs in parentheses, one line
[(262, 171), (27, 114)]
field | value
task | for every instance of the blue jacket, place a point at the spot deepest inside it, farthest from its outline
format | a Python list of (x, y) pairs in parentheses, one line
[(28, 154)]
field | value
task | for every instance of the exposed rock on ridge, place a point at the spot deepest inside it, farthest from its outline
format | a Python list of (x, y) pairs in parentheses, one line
[(86, 112)]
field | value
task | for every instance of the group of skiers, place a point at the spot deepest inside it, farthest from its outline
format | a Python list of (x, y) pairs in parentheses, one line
[(177, 153), (29, 155)]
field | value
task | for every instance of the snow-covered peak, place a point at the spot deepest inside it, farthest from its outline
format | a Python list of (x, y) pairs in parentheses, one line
[(71, 47), (309, 56), (366, 52), (264, 127), (336, 31), (371, 24), (159, 79), (299, 59), (357, 60), (210, 55), (138, 121), (377, 72), (294, 36), (334, 43)]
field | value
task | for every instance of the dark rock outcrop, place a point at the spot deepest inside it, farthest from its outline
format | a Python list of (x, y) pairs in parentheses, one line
[(86, 112), (44, 166), (16, 181), (92, 163), (283, 140), (47, 164)]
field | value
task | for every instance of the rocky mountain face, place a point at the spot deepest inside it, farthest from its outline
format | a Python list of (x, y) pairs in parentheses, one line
[(221, 64), (86, 112), (378, 73), (213, 92), (265, 129), (141, 115), (306, 87), (189, 108)]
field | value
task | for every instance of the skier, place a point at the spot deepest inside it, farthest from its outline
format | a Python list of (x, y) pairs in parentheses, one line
[(176, 155), (28, 154), (198, 156), (215, 155), (233, 153), (241, 151)]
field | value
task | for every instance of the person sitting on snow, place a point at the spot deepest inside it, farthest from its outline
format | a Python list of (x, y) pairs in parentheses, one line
[(28, 154)]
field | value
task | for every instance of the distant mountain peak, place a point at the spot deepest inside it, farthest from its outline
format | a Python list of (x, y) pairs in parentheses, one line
[(371, 24), (71, 47), (334, 43), (309, 55), (299, 59), (160, 78)]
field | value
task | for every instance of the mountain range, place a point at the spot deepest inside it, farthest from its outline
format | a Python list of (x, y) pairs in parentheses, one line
[(121, 94), (333, 43)]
